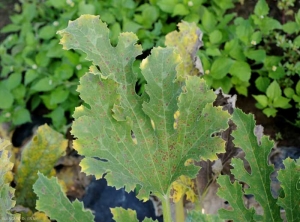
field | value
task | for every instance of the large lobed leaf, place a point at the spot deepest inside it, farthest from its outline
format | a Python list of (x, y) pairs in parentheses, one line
[(53, 201), (256, 153), (6, 191), (290, 182), (40, 154), (132, 138)]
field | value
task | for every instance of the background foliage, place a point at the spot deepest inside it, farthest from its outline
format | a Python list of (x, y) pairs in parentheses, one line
[(259, 52)]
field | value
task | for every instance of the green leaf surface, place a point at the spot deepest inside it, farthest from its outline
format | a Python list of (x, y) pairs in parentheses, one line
[(261, 8), (194, 216), (53, 201), (121, 215), (270, 112), (289, 180), (209, 21), (273, 91), (187, 41), (47, 32), (20, 116), (44, 84), (281, 102), (257, 55), (262, 83), (277, 73), (6, 191), (298, 87), (241, 70), (13, 80), (40, 154), (262, 100), (290, 27), (7, 98), (256, 153), (289, 92), (157, 155), (215, 36), (221, 67), (233, 193)]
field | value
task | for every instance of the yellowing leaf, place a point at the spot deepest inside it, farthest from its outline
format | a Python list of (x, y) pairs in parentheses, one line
[(41, 154), (6, 191), (187, 41)]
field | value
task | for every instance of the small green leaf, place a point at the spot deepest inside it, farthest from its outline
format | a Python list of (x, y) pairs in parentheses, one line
[(7, 98), (256, 36), (55, 204), (47, 32), (262, 83), (234, 49), (296, 98), (297, 41), (262, 100), (289, 92), (272, 61), (221, 67), (241, 70), (289, 179), (180, 9), (20, 116), (43, 85), (64, 72), (167, 5), (297, 17), (213, 51), (290, 27), (273, 91), (30, 75), (277, 72), (244, 31), (57, 3), (261, 8), (13, 81), (270, 112), (10, 28), (19, 92), (84, 8), (58, 95), (215, 36), (209, 21), (281, 102), (41, 59), (298, 88), (58, 117)]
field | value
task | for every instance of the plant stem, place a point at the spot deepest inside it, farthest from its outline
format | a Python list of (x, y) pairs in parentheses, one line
[(179, 211), (166, 208)]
